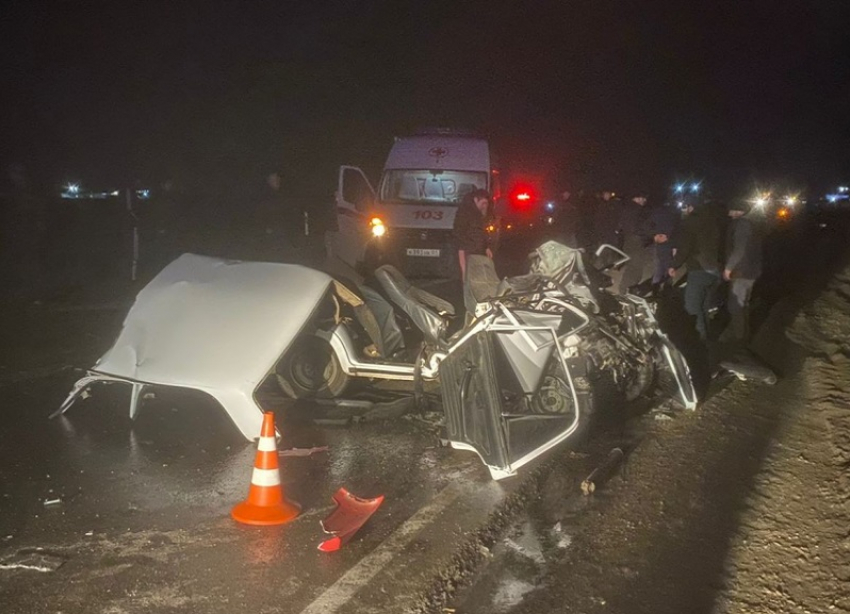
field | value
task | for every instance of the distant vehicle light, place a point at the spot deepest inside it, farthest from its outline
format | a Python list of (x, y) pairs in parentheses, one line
[(694, 187), (491, 228), (523, 196), (73, 188), (783, 213), (378, 227), (680, 188), (550, 206), (791, 200)]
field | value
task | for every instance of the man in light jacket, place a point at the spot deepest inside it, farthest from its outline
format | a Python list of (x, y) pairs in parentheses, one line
[(742, 269)]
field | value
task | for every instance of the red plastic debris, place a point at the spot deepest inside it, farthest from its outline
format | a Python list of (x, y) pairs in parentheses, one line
[(345, 520), (331, 545)]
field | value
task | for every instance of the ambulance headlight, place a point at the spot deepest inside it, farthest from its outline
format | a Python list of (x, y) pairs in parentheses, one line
[(378, 227)]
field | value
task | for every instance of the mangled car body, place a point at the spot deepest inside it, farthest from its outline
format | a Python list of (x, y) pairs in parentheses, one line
[(517, 378)]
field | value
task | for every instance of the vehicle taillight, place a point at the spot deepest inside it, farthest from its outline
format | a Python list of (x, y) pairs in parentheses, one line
[(522, 195)]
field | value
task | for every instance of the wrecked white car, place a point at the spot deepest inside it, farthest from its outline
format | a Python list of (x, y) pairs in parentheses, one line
[(516, 379)]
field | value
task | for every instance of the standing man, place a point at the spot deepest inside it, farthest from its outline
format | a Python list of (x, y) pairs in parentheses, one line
[(606, 220), (666, 219), (470, 227), (639, 239), (568, 220), (743, 268), (699, 249), (282, 219), (159, 229)]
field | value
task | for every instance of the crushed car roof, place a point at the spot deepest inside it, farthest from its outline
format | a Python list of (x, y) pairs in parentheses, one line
[(218, 326)]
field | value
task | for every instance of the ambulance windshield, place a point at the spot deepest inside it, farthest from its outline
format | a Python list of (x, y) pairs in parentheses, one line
[(430, 186)]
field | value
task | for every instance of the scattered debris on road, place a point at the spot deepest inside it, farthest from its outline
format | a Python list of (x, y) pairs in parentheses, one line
[(33, 559), (300, 452), (347, 518)]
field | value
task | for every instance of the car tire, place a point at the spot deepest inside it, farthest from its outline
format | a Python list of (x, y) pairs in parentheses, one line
[(311, 370)]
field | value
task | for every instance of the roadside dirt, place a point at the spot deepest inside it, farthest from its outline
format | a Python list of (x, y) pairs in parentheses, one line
[(791, 552)]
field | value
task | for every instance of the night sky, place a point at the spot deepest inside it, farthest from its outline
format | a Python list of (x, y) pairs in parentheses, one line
[(627, 94)]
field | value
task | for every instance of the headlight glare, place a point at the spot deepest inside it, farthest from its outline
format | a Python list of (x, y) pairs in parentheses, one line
[(378, 227)]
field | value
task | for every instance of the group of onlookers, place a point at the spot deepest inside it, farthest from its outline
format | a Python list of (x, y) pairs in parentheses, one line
[(712, 242)]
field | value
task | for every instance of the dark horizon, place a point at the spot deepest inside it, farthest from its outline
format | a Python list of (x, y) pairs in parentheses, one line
[(631, 96)]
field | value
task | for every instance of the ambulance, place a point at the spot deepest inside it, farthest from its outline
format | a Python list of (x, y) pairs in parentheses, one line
[(408, 220)]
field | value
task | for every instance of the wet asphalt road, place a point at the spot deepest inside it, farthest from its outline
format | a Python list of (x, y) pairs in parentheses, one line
[(133, 516), (142, 521)]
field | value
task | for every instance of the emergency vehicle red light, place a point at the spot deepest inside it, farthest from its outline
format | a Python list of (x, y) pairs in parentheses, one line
[(523, 196)]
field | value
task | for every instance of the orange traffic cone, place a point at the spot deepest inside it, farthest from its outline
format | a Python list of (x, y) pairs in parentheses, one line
[(266, 503)]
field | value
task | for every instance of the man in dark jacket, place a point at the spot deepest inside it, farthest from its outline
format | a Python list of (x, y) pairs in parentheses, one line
[(639, 238), (666, 219), (604, 221), (159, 225), (743, 268), (470, 227), (699, 249), (568, 219)]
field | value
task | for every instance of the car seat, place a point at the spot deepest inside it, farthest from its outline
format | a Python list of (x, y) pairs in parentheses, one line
[(425, 310)]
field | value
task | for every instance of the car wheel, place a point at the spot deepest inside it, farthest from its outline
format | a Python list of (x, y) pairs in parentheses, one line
[(555, 398), (310, 369)]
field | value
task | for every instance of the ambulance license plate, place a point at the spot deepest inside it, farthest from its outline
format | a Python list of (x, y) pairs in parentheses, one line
[(430, 253)]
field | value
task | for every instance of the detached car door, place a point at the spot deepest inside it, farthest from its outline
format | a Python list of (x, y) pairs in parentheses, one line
[(355, 198), (509, 396)]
